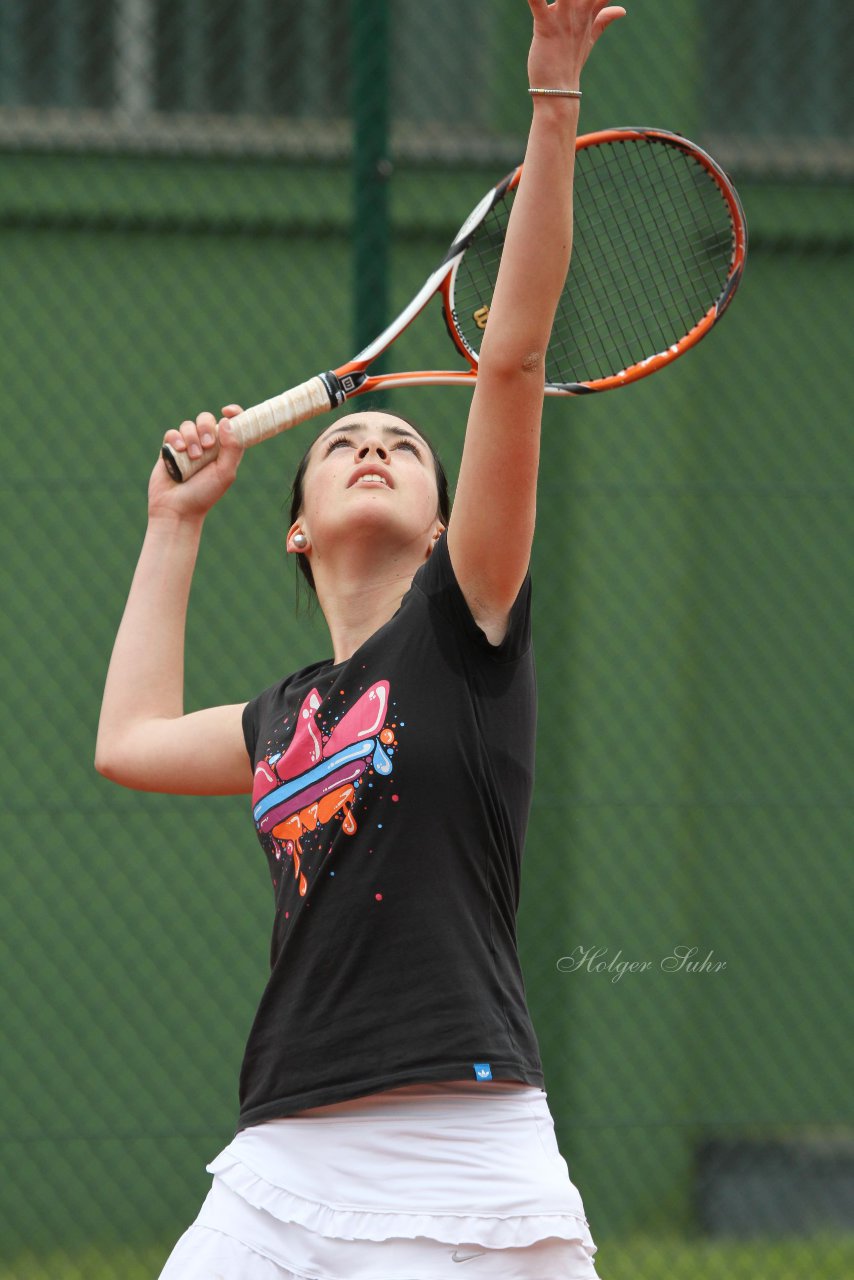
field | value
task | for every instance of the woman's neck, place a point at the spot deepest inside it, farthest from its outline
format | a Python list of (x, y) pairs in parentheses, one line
[(355, 604)]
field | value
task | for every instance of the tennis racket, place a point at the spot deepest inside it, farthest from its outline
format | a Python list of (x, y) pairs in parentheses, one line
[(659, 247)]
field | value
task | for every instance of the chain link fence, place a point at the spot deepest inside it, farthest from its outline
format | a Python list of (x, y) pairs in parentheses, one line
[(189, 190)]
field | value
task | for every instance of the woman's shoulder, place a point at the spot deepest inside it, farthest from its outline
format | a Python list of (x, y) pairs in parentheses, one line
[(436, 581)]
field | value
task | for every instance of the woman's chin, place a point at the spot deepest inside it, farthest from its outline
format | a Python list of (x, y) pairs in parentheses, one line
[(374, 516)]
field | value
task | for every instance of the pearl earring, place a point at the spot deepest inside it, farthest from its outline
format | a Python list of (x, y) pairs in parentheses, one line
[(300, 541)]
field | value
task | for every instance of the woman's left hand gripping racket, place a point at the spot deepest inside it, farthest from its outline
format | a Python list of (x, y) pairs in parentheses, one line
[(658, 251)]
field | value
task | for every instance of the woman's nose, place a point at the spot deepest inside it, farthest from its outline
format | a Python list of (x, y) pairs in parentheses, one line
[(372, 446)]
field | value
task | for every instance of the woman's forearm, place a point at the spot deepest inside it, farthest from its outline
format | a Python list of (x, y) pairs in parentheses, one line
[(538, 246), (145, 680)]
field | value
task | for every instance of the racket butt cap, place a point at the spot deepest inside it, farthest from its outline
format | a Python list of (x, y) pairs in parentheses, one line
[(171, 464)]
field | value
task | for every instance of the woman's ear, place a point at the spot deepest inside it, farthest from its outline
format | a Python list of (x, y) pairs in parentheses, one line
[(297, 542), (437, 533)]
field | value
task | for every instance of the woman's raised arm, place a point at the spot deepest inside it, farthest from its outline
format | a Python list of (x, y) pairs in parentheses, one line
[(145, 740), (492, 523)]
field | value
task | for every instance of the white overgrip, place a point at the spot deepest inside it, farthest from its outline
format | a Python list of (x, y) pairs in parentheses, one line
[(281, 412), (258, 423)]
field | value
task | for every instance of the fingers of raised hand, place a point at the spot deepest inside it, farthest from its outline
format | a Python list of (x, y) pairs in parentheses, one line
[(606, 16), (193, 436), (597, 11)]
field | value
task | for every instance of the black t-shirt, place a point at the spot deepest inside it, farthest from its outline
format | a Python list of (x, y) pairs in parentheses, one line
[(391, 797)]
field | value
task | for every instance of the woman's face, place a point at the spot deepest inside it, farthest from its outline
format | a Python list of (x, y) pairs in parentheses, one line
[(369, 472)]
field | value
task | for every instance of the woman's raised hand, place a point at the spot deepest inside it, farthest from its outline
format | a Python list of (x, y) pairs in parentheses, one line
[(564, 33), (197, 495)]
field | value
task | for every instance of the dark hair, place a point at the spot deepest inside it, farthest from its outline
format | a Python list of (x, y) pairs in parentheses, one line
[(444, 506)]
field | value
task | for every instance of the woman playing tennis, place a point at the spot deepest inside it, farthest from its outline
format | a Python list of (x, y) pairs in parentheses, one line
[(393, 1123)]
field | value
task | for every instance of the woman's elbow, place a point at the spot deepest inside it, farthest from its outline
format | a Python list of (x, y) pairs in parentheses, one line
[(110, 762), (511, 361), (105, 763)]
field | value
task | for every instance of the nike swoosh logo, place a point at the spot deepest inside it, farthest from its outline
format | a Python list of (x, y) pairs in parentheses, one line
[(456, 1256)]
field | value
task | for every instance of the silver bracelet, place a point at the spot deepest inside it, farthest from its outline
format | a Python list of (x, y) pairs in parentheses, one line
[(557, 93)]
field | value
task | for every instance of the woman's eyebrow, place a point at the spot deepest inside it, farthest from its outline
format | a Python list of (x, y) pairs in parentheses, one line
[(401, 431)]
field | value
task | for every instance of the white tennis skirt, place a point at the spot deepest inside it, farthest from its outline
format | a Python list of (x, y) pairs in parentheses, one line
[(410, 1184)]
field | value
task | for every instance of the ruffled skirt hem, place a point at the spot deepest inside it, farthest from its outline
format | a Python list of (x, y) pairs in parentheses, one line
[(490, 1231)]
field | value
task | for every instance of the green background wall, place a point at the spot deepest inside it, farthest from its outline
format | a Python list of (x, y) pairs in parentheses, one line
[(693, 604)]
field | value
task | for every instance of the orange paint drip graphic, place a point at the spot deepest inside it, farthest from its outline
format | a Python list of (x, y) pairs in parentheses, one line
[(349, 823), (313, 781), (290, 831)]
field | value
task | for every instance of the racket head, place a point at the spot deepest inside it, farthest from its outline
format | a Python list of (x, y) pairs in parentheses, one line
[(659, 246)]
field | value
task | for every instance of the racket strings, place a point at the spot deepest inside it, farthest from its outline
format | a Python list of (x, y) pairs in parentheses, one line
[(653, 247), (605, 311), (475, 279), (708, 243), (652, 252)]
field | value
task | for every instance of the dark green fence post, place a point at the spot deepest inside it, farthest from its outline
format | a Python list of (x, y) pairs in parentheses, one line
[(370, 28)]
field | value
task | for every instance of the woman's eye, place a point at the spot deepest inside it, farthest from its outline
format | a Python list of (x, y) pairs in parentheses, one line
[(407, 444), (337, 442)]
